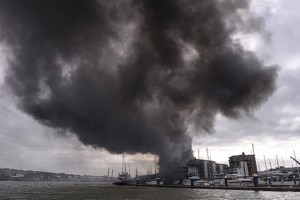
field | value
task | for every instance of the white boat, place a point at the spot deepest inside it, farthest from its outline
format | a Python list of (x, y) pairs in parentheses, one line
[(284, 183), (244, 182), (241, 182), (188, 181), (197, 181), (218, 182), (202, 183), (154, 182)]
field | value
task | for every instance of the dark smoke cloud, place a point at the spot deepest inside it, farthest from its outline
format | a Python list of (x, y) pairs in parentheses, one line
[(133, 76)]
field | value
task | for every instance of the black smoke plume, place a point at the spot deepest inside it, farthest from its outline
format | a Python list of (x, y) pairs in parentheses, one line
[(133, 76)]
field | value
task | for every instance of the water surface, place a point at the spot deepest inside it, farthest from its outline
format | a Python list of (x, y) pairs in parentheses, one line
[(94, 191)]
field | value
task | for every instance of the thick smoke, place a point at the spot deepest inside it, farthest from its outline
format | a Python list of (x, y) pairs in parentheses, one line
[(133, 76)]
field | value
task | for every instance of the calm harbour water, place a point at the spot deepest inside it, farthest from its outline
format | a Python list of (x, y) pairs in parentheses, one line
[(95, 191)]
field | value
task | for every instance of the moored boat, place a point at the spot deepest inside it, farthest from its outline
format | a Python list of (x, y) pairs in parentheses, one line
[(123, 179)]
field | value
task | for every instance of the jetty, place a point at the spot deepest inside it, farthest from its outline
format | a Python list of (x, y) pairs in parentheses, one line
[(260, 188)]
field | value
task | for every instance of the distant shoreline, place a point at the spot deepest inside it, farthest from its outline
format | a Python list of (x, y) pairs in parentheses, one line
[(7, 174)]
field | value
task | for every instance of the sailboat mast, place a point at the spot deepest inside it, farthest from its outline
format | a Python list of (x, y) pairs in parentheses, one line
[(270, 163), (283, 162), (155, 167), (207, 153), (265, 162), (136, 172), (123, 161)]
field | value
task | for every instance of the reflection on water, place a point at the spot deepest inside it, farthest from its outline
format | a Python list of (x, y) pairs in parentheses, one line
[(95, 191)]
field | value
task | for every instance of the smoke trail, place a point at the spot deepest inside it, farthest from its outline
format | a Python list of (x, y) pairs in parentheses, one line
[(132, 76)]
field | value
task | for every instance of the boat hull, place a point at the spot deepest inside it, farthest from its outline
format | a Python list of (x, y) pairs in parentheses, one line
[(120, 183)]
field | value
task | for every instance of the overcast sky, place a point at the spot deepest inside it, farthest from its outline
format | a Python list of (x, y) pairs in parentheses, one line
[(273, 129)]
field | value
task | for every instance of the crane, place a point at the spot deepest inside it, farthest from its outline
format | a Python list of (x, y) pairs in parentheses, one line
[(295, 160), (298, 167)]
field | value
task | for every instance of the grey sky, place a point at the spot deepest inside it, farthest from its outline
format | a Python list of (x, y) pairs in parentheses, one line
[(274, 128)]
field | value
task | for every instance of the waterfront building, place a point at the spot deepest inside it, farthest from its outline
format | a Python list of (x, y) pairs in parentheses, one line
[(243, 165), (207, 169), (221, 169), (189, 171)]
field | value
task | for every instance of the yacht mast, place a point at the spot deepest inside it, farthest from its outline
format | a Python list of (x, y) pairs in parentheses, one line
[(155, 168), (270, 163), (283, 162), (207, 153), (123, 161), (265, 162), (277, 161)]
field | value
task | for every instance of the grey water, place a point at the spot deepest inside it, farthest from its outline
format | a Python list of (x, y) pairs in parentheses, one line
[(94, 191)]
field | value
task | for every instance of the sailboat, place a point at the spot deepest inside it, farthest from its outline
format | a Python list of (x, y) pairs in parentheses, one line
[(156, 180), (124, 176), (123, 179)]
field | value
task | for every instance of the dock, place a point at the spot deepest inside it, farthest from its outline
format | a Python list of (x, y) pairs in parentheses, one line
[(260, 188)]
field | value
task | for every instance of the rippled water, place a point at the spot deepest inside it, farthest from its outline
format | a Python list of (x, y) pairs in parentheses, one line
[(95, 191)]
